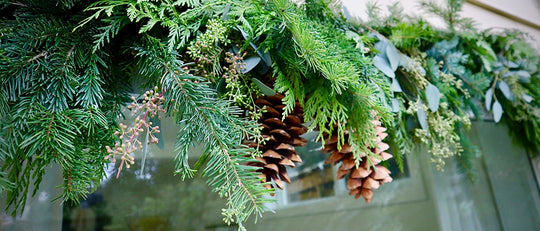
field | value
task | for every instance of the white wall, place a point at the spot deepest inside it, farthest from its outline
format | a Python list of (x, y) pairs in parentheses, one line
[(527, 10)]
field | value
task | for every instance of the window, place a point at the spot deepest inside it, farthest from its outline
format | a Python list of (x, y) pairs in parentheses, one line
[(313, 179)]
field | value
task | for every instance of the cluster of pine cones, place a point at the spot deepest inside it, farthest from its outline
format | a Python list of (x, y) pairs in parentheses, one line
[(283, 135)]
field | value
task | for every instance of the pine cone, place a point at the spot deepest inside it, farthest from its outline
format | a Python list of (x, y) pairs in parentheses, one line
[(363, 179), (281, 138)]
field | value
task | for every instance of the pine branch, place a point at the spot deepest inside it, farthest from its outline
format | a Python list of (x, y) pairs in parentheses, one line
[(214, 123)]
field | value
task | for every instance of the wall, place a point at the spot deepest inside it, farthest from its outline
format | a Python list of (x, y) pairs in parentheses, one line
[(505, 15)]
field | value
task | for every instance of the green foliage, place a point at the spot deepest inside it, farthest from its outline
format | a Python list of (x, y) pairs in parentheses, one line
[(65, 73), (53, 109), (450, 12), (214, 123)]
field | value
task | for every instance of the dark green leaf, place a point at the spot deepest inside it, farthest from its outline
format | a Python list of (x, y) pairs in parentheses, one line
[(250, 63), (265, 89)]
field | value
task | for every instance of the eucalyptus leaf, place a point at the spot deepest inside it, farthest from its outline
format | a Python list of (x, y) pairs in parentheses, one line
[(382, 64), (421, 115), (433, 96), (511, 64), (404, 60), (503, 86), (250, 63), (381, 45), (221, 86), (266, 58), (498, 66), (254, 46), (264, 89), (497, 111), (488, 97), (395, 105), (393, 56), (523, 76), (234, 50), (395, 86), (243, 32), (527, 97)]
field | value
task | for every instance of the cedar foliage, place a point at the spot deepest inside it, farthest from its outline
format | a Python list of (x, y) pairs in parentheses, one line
[(67, 67)]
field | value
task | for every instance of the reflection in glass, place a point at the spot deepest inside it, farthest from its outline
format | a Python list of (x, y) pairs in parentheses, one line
[(155, 200)]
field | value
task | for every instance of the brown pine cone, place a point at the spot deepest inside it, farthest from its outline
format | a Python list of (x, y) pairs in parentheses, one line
[(281, 138), (363, 179)]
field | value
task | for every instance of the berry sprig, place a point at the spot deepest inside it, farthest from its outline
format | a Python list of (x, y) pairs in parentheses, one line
[(128, 143)]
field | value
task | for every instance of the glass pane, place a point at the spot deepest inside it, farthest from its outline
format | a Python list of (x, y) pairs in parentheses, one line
[(155, 200)]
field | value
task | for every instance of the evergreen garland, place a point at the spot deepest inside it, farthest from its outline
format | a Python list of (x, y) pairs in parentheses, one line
[(67, 67)]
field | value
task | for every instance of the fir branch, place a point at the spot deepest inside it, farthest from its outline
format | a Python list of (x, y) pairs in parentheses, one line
[(317, 54), (215, 124)]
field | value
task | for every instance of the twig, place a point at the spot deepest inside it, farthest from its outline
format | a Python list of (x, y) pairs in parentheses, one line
[(38, 56)]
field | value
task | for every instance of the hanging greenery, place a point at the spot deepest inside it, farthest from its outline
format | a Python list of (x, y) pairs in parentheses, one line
[(240, 78)]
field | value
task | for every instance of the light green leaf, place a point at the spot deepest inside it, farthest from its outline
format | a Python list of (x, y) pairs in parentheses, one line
[(421, 114), (393, 57), (488, 98), (486, 51), (382, 64), (145, 152), (511, 64), (264, 89), (523, 76), (497, 111), (433, 97), (395, 105), (395, 85), (486, 63), (527, 98), (503, 86)]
